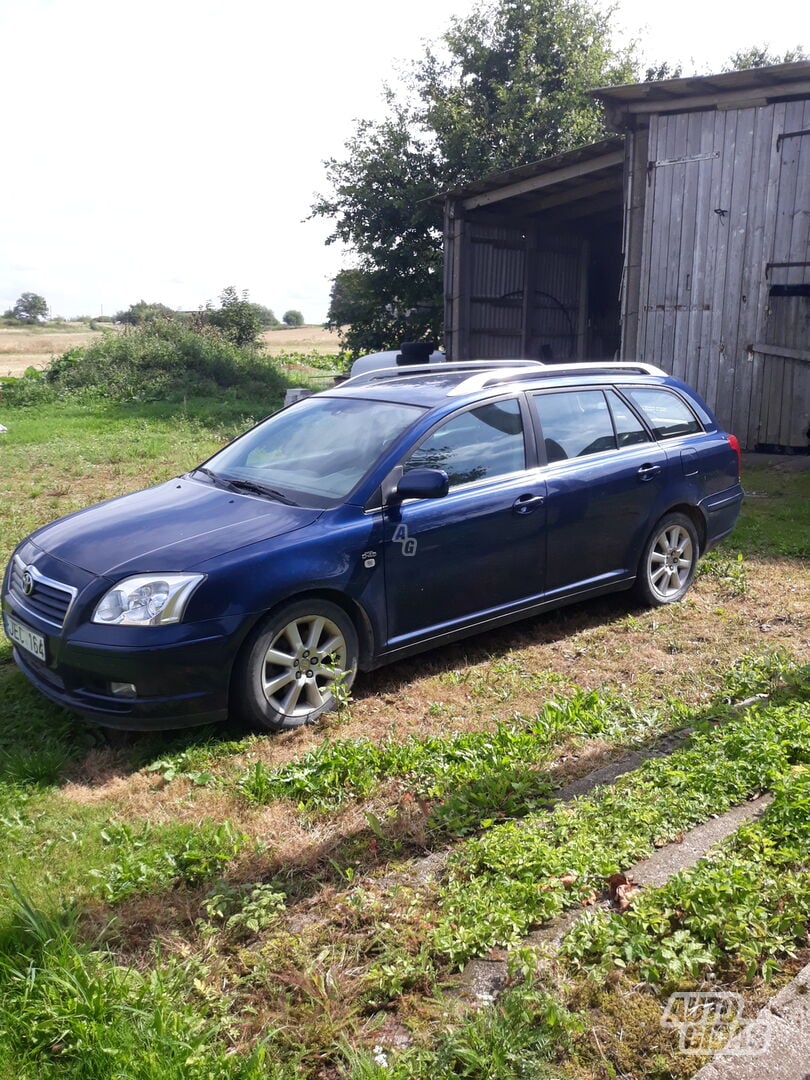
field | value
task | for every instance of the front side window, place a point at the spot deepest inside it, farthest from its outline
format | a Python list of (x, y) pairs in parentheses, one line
[(475, 445), (317, 451), (668, 414), (575, 423)]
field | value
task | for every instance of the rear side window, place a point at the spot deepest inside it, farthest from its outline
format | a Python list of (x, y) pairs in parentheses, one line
[(629, 429), (475, 445), (575, 423), (668, 414)]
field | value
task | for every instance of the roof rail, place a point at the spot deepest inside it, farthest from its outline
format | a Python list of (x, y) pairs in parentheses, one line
[(489, 378), (436, 368)]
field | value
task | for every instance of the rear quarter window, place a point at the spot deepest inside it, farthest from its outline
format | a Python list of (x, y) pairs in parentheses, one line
[(666, 412)]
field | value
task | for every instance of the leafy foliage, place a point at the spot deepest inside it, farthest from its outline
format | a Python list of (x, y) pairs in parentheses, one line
[(519, 874), (265, 315), (155, 360), (761, 56), (29, 308), (142, 312), (150, 858), (236, 317), (293, 318), (504, 85), (74, 1012), (466, 777), (741, 907)]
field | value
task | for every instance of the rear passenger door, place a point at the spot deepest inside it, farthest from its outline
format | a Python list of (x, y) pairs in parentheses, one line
[(605, 477)]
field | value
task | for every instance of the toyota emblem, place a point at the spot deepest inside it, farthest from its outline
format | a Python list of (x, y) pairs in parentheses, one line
[(27, 582)]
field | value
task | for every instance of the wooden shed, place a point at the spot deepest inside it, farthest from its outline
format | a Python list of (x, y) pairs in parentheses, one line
[(684, 241)]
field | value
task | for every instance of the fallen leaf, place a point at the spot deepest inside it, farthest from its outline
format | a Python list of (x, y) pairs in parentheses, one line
[(614, 882), (624, 896)]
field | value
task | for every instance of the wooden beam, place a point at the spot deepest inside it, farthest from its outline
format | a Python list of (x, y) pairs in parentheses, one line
[(781, 352), (573, 194), (537, 183), (719, 99)]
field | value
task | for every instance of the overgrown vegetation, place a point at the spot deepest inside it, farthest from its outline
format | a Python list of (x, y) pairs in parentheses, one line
[(157, 360)]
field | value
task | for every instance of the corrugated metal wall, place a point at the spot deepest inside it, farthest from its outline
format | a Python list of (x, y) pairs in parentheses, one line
[(512, 292), (728, 201), (497, 278)]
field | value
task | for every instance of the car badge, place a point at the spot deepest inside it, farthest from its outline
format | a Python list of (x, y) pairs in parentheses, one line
[(27, 582)]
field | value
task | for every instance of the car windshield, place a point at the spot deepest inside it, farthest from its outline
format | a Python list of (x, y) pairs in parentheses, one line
[(316, 452)]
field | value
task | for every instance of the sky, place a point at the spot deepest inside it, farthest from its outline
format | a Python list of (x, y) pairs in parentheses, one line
[(165, 149)]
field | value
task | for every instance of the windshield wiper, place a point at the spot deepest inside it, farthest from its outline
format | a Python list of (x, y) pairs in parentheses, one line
[(220, 481), (238, 484)]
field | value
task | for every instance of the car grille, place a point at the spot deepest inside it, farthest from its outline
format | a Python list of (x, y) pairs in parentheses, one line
[(48, 599)]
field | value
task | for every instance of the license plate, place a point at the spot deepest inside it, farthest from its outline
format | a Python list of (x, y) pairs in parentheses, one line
[(27, 639)]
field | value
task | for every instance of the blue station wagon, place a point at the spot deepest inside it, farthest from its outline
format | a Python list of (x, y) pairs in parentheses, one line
[(401, 510)]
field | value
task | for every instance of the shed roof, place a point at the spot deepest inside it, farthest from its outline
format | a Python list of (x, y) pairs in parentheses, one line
[(568, 175), (752, 86)]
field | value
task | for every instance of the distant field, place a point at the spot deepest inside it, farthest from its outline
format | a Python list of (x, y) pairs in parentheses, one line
[(20, 349), (23, 348), (301, 339)]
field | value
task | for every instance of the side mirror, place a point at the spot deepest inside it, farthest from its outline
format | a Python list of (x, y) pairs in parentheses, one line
[(422, 484)]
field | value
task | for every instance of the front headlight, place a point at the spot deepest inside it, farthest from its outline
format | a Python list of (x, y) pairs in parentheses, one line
[(147, 600)]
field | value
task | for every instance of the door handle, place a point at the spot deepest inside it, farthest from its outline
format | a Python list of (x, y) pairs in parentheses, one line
[(527, 504), (648, 471)]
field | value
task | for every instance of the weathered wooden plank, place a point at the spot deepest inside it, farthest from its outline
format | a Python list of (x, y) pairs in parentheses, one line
[(788, 187), (696, 159), (721, 213), (635, 189), (800, 233), (765, 349), (742, 307), (678, 146), (537, 183), (644, 349), (695, 285), (739, 215), (707, 257), (661, 180)]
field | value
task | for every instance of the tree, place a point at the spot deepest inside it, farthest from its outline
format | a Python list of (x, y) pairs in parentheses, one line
[(265, 315), (139, 313), (503, 86), (293, 318), (236, 317), (30, 308), (761, 56)]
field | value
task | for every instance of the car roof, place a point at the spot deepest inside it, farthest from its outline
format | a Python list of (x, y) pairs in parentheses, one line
[(459, 384)]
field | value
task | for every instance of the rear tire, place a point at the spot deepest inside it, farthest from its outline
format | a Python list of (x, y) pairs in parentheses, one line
[(292, 665), (669, 561)]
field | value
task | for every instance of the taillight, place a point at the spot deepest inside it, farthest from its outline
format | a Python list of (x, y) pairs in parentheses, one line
[(734, 443)]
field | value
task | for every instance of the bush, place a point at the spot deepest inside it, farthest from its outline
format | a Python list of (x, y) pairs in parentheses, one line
[(160, 359), (293, 318)]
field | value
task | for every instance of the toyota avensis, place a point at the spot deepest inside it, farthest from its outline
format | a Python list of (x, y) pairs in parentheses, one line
[(404, 509)]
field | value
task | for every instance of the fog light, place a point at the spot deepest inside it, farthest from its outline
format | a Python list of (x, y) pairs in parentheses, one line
[(123, 689)]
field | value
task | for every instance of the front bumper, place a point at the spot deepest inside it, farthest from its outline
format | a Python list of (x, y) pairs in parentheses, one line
[(181, 703), (180, 673)]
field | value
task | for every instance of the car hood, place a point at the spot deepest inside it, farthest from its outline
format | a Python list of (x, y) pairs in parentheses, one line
[(172, 526)]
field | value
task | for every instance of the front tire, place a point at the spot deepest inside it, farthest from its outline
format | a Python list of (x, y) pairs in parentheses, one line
[(669, 561), (293, 663)]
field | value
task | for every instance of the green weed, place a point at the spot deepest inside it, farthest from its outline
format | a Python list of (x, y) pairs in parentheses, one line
[(741, 909), (149, 857), (520, 874)]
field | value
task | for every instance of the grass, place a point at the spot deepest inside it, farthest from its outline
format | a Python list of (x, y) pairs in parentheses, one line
[(222, 904)]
